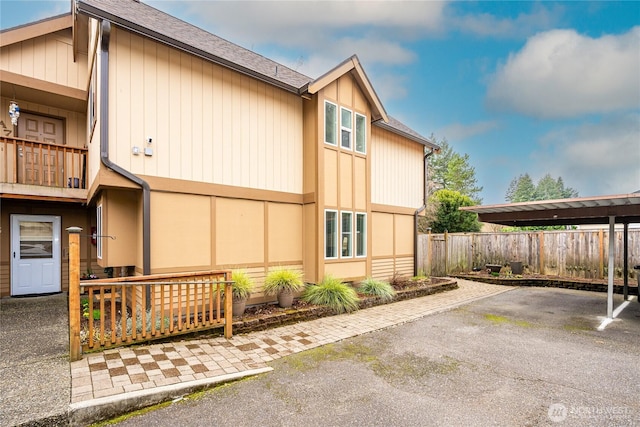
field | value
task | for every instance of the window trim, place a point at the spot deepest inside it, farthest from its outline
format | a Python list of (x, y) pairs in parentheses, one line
[(364, 235), (336, 126), (343, 128), (337, 233), (99, 231), (342, 235), (355, 145)]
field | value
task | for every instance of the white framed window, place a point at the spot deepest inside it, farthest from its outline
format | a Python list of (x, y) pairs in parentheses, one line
[(361, 133), (361, 234), (330, 123), (346, 128), (330, 234), (99, 231), (346, 235)]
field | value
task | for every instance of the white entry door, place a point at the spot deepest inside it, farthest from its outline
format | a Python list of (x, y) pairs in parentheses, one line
[(35, 254)]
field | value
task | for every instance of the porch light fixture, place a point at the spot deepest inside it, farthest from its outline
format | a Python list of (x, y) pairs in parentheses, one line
[(14, 112)]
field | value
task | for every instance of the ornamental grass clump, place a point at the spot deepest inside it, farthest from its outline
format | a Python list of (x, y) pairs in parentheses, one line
[(332, 293), (378, 288), (283, 280), (242, 284)]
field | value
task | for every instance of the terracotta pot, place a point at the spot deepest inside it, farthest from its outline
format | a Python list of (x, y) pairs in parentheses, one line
[(285, 299)]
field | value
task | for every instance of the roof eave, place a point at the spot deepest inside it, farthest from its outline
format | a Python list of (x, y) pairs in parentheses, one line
[(93, 12), (35, 29), (423, 141)]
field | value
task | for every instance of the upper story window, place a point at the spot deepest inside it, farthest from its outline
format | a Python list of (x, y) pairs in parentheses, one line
[(330, 123), (346, 128), (353, 136), (361, 133)]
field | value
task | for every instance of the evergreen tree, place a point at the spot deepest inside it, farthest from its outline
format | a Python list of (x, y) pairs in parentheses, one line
[(452, 171), (521, 189), (449, 217)]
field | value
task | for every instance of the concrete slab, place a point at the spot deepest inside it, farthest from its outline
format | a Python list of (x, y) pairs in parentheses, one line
[(34, 360)]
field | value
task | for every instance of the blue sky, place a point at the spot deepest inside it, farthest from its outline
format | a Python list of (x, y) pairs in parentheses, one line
[(522, 87)]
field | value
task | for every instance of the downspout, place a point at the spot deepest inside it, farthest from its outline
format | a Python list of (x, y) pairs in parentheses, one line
[(427, 154), (104, 149)]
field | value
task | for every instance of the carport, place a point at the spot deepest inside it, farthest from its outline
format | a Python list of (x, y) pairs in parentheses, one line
[(616, 209)]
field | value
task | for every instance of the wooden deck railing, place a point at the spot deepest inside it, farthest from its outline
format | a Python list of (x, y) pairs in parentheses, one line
[(41, 163), (130, 310)]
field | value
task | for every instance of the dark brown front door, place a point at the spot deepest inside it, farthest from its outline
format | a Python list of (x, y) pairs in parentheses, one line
[(40, 165)]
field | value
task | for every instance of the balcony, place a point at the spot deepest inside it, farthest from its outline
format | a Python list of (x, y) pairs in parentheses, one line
[(32, 169)]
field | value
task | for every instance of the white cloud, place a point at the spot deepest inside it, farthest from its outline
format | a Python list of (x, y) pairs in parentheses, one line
[(561, 73), (594, 158), (487, 25), (459, 131)]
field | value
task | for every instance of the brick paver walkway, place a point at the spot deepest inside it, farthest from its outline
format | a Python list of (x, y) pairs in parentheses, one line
[(123, 370)]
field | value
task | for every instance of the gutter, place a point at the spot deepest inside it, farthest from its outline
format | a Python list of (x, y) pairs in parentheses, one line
[(100, 14), (427, 154), (104, 149)]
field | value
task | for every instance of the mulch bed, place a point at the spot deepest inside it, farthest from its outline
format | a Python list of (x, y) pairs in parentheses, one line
[(265, 316)]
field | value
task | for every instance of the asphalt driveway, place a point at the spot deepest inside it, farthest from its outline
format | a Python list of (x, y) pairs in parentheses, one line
[(528, 357)]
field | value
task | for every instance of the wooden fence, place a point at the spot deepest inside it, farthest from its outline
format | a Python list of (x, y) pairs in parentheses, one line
[(567, 253), (128, 310)]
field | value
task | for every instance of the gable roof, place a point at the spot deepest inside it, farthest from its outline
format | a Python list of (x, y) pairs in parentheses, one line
[(35, 29), (155, 24), (351, 65)]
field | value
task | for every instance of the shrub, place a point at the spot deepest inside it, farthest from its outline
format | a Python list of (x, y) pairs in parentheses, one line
[(242, 284), (283, 279), (332, 293), (383, 290)]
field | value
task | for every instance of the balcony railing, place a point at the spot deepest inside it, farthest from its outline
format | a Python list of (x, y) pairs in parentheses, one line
[(41, 163)]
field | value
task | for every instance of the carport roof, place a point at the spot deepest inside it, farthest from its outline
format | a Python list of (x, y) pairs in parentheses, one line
[(583, 210)]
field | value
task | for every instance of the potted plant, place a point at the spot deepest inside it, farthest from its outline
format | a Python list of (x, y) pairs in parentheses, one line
[(283, 283), (240, 291)]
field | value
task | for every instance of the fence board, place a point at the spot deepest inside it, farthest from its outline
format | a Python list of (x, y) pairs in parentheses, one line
[(568, 253)]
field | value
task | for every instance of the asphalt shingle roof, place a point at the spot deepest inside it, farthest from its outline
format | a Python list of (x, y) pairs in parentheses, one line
[(151, 22)]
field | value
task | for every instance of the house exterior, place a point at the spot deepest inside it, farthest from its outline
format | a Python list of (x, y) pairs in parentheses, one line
[(178, 151)]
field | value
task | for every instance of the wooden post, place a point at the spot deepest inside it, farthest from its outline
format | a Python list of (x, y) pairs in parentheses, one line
[(601, 252), (541, 249), (228, 306), (446, 253), (429, 254), (74, 293)]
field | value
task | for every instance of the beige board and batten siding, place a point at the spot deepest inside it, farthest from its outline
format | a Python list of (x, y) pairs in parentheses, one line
[(47, 58), (207, 123), (397, 190), (396, 170)]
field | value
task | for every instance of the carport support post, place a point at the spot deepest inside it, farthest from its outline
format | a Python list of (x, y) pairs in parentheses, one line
[(612, 249), (625, 267), (74, 293)]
